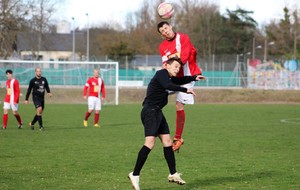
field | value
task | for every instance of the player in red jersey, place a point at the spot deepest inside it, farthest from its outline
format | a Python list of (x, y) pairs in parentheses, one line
[(96, 87), (179, 45), (11, 99)]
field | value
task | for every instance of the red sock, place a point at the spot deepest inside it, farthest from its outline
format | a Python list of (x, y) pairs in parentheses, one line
[(5, 118), (96, 118), (87, 115), (180, 120), (18, 117)]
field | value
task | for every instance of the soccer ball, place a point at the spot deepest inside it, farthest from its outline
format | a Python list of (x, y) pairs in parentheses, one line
[(165, 10)]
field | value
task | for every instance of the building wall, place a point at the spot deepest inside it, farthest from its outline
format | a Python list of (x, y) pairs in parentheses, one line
[(48, 55)]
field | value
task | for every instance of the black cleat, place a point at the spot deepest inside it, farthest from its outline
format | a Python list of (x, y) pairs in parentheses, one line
[(20, 126)]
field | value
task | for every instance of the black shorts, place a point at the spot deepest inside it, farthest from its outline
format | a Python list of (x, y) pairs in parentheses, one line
[(38, 102), (154, 122)]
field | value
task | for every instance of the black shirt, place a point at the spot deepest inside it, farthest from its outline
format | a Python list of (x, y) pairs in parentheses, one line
[(38, 85), (157, 91)]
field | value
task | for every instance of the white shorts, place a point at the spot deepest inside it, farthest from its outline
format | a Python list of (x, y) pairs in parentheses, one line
[(13, 106), (94, 103), (185, 98)]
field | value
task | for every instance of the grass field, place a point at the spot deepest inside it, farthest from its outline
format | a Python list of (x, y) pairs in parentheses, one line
[(236, 146)]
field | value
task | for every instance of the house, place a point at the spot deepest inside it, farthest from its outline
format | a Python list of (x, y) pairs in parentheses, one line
[(147, 62), (51, 46)]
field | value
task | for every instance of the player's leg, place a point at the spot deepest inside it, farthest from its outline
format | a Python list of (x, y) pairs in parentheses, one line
[(89, 112), (180, 119), (37, 104), (143, 154), (39, 112), (97, 112), (169, 153), (140, 161), (6, 107), (17, 115), (181, 100), (150, 123), (34, 120), (167, 145)]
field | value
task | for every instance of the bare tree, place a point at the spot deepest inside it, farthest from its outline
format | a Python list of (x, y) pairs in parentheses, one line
[(12, 14), (296, 32), (284, 35), (41, 13)]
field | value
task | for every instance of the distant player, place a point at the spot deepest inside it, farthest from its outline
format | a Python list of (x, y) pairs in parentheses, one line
[(179, 45), (38, 85), (155, 124), (11, 100), (95, 86)]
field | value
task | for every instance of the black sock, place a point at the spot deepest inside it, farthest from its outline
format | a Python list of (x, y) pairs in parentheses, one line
[(34, 120), (170, 158), (141, 159), (39, 118)]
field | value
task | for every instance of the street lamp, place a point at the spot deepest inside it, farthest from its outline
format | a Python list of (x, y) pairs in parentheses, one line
[(73, 38), (266, 49), (253, 48), (87, 39)]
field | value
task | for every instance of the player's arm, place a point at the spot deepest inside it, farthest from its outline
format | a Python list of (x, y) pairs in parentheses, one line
[(164, 79), (174, 87), (174, 55), (103, 90), (16, 91), (85, 88), (47, 88), (187, 79), (186, 47), (164, 57), (30, 86)]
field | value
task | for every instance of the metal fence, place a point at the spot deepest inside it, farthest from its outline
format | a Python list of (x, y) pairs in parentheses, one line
[(220, 70)]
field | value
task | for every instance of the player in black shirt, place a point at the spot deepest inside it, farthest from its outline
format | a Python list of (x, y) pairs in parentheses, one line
[(154, 121), (38, 85)]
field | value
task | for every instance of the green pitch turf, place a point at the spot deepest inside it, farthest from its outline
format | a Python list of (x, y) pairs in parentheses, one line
[(226, 147)]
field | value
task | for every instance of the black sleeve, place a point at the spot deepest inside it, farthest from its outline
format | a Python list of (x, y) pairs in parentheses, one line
[(183, 80), (47, 86), (30, 86), (165, 81)]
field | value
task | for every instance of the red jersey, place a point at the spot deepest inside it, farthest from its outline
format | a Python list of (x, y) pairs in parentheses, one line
[(96, 87), (12, 91), (181, 44)]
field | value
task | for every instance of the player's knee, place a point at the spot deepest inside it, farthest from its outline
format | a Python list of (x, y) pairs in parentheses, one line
[(167, 143), (149, 142), (166, 140), (39, 110), (179, 106)]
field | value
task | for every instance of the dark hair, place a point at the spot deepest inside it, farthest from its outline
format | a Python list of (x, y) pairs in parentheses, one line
[(171, 60), (8, 71), (159, 25)]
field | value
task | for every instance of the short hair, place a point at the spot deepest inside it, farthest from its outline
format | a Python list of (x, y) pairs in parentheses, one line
[(159, 25), (171, 60), (8, 71)]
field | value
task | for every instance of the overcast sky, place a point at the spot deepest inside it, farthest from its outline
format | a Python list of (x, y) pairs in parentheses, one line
[(100, 11)]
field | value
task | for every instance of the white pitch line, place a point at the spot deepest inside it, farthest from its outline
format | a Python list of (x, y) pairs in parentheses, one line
[(291, 121)]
